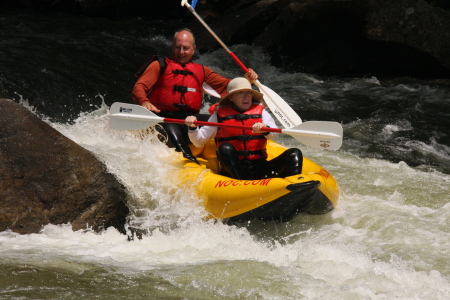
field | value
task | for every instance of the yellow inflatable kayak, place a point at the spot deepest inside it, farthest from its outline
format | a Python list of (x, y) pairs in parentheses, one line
[(315, 191)]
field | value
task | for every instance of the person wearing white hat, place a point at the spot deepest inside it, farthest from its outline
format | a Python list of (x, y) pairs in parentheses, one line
[(242, 153)]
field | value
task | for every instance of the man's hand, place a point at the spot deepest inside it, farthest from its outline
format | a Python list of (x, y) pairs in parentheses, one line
[(251, 76), (150, 106)]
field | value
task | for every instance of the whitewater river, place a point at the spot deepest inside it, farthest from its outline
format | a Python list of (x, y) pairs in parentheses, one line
[(388, 237)]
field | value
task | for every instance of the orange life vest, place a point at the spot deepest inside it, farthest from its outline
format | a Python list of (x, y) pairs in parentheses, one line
[(250, 145), (179, 87)]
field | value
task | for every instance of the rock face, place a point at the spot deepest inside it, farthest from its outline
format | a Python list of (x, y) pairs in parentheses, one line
[(350, 37), (413, 23), (47, 178)]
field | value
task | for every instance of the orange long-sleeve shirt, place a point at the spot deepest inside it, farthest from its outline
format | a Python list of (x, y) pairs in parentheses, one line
[(145, 83)]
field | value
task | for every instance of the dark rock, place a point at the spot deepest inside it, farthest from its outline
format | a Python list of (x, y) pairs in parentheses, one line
[(240, 24), (414, 23), (344, 38), (47, 178)]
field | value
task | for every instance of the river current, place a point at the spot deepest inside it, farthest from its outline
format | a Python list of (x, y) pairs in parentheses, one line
[(387, 238)]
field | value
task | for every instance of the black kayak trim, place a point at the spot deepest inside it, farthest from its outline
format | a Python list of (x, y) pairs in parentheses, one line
[(304, 197)]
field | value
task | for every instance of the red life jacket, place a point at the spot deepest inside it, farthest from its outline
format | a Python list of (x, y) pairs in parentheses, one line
[(179, 87), (250, 145)]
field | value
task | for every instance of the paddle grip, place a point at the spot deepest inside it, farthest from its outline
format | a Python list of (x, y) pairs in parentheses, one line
[(212, 124), (233, 56)]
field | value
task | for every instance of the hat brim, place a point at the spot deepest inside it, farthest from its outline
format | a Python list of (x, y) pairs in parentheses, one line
[(256, 96)]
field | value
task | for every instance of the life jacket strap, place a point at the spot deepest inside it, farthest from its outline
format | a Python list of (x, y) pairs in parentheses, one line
[(162, 64), (182, 72), (180, 106), (241, 138), (183, 89), (242, 117)]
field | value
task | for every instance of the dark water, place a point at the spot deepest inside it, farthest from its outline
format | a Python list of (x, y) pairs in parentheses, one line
[(61, 64), (388, 238)]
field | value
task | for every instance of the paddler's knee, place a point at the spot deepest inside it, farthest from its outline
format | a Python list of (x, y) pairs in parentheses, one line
[(229, 159), (294, 158), (227, 154)]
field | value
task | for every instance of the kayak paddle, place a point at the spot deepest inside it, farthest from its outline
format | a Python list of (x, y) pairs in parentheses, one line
[(282, 111), (317, 134)]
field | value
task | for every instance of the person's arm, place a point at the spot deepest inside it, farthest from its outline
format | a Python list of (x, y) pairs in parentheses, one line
[(220, 83), (199, 136), (267, 121), (145, 83), (217, 82)]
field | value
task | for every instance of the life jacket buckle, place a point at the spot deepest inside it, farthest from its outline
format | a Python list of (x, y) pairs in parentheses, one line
[(183, 89)]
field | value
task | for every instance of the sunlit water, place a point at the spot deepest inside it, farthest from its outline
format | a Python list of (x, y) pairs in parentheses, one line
[(388, 238)]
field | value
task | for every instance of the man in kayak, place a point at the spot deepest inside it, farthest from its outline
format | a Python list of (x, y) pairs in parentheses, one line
[(176, 92), (241, 152)]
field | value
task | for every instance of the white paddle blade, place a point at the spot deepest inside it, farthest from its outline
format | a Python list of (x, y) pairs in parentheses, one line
[(209, 90), (318, 134), (280, 109), (131, 117)]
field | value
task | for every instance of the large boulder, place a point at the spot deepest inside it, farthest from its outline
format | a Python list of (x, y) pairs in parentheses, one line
[(46, 178)]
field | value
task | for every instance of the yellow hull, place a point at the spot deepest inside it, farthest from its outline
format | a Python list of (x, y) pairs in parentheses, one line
[(315, 191)]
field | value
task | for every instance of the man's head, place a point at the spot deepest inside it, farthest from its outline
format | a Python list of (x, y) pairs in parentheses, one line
[(183, 46)]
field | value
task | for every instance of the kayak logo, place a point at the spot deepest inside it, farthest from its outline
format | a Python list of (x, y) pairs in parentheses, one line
[(125, 110), (325, 144), (226, 183), (281, 117)]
